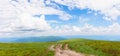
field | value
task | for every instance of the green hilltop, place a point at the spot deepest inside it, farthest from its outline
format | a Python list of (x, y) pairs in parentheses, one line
[(86, 46)]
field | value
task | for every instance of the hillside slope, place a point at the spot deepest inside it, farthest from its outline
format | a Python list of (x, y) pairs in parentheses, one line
[(95, 47)]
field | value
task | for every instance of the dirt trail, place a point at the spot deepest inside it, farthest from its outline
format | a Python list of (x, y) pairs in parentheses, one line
[(65, 51)]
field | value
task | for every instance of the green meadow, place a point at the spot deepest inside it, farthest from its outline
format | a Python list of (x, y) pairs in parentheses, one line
[(86, 46)]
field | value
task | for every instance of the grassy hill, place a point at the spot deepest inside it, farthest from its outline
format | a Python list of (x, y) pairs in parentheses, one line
[(95, 47)]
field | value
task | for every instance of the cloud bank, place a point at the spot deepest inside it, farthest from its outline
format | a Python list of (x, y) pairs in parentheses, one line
[(18, 17)]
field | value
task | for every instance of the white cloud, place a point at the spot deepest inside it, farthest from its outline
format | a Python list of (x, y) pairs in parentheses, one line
[(87, 29), (108, 30), (109, 8), (53, 21), (11, 9), (113, 29), (25, 25), (83, 20), (26, 22), (38, 7), (65, 16), (17, 17)]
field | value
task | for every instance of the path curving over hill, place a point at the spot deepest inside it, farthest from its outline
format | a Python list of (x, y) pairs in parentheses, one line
[(65, 51)]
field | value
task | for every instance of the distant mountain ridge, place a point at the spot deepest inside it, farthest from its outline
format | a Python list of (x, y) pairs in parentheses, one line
[(57, 38), (33, 39)]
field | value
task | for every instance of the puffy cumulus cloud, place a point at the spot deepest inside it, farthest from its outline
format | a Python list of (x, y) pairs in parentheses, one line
[(6, 11), (83, 20), (109, 8), (13, 8), (25, 24), (53, 21), (27, 21), (39, 7), (87, 29), (111, 29), (66, 30), (18, 16), (74, 30)]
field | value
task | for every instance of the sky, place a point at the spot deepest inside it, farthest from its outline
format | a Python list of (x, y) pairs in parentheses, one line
[(20, 18)]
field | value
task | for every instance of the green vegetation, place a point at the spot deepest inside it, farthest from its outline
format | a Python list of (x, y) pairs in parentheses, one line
[(95, 47)]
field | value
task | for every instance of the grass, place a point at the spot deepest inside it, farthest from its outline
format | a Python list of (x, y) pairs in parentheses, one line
[(95, 47)]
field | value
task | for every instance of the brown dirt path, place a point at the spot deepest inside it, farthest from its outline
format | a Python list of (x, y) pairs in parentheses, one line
[(65, 52)]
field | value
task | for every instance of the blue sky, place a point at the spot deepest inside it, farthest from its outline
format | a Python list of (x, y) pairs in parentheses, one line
[(90, 18), (59, 17)]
